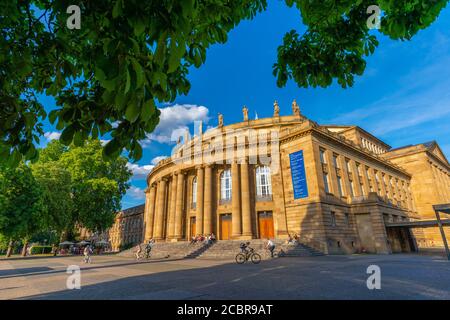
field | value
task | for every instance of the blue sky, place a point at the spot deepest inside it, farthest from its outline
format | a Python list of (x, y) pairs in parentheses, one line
[(403, 97)]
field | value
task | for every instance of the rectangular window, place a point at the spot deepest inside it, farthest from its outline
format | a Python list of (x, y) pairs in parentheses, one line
[(333, 219), (347, 163), (322, 156), (335, 160), (347, 219), (325, 182), (340, 188)]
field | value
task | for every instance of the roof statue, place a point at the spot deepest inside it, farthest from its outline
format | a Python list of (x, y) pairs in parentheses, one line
[(245, 113), (276, 109)]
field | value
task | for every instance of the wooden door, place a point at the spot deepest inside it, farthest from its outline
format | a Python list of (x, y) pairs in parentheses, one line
[(265, 222), (193, 230), (225, 226)]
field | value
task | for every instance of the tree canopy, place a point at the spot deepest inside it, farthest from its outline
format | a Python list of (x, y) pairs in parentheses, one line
[(21, 202), (68, 188), (108, 76)]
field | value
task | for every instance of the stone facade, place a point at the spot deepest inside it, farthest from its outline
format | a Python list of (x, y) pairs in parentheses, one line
[(127, 228), (355, 185), (430, 184)]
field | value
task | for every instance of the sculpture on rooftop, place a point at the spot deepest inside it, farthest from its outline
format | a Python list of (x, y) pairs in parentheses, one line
[(220, 116), (276, 109), (295, 108), (245, 113)]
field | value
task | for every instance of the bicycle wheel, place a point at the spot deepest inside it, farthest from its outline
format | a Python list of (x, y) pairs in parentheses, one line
[(240, 258), (256, 258)]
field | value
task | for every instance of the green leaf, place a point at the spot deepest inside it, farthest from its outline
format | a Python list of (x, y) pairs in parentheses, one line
[(132, 112), (148, 109), (67, 135), (52, 116), (139, 73), (117, 9)]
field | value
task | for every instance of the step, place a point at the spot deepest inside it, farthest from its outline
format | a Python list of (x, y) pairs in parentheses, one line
[(222, 249)]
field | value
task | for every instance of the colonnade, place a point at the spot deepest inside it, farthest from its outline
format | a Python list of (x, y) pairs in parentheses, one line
[(166, 203)]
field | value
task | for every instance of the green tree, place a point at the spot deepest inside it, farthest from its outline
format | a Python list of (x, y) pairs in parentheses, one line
[(21, 204), (130, 54), (83, 190), (56, 183)]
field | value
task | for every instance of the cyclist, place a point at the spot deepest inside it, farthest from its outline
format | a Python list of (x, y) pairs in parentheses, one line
[(270, 246), (148, 247), (245, 247)]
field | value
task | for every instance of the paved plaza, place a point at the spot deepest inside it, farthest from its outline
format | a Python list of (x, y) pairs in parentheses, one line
[(326, 277)]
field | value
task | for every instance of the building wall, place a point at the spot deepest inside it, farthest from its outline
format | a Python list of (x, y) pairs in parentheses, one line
[(430, 184), (347, 214), (128, 228)]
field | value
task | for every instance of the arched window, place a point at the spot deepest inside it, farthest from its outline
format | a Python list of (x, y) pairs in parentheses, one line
[(263, 182), (225, 185), (194, 192)]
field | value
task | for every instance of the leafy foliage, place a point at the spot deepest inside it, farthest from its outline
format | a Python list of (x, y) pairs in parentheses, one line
[(87, 190), (337, 40), (21, 202), (131, 54)]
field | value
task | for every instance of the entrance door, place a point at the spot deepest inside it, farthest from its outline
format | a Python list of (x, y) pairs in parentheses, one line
[(193, 230), (365, 232), (265, 222), (225, 226)]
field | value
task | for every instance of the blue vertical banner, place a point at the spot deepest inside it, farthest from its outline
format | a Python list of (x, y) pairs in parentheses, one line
[(298, 175)]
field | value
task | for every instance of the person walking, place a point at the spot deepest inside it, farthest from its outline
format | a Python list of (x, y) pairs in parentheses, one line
[(87, 254), (138, 252)]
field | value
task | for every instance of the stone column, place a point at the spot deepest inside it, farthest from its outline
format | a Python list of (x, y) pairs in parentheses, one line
[(208, 215), (160, 210), (179, 206), (199, 211), (150, 214), (172, 208), (235, 201), (246, 211)]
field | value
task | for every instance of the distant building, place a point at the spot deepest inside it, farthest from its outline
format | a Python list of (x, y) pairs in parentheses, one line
[(127, 228), (337, 187)]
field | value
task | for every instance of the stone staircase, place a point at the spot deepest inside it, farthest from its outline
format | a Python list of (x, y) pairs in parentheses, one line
[(227, 249), (222, 249), (178, 250)]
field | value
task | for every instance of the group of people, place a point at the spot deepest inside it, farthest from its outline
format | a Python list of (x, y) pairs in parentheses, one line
[(203, 238)]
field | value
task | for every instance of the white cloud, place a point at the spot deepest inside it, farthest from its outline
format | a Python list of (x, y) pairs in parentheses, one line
[(136, 193), (52, 136), (139, 172), (155, 160), (174, 121)]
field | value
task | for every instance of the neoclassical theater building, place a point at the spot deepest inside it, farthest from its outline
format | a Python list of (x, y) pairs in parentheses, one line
[(339, 188)]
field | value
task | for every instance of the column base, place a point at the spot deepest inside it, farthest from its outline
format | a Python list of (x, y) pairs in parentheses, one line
[(242, 237)]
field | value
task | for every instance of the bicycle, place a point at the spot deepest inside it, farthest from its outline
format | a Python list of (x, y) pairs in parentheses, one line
[(248, 255), (143, 255), (87, 259)]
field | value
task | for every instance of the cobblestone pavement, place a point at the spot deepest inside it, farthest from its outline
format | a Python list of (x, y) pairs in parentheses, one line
[(328, 277)]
